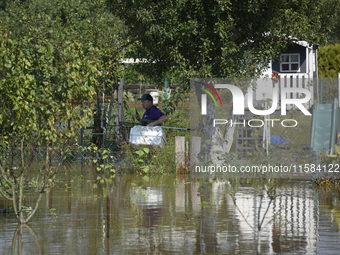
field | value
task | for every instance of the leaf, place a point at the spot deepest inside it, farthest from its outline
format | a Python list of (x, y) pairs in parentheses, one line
[(50, 49), (95, 161), (337, 149), (140, 153), (145, 169), (146, 150)]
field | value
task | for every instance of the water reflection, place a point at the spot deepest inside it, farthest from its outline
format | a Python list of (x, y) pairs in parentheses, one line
[(169, 215)]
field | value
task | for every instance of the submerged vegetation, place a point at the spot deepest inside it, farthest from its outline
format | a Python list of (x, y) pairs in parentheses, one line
[(54, 55), (48, 67)]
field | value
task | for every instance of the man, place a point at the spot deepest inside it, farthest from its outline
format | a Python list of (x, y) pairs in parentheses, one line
[(152, 115)]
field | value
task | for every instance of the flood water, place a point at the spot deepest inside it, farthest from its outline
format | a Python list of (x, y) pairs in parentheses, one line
[(176, 215)]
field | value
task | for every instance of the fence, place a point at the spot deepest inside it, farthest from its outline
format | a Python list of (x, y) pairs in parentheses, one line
[(286, 87)]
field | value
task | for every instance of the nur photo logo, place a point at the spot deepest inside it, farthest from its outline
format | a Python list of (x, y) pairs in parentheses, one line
[(239, 99), (204, 97)]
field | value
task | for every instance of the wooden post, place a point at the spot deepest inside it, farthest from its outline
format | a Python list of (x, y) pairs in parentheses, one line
[(108, 213), (180, 151), (195, 149), (339, 88), (121, 101), (338, 126), (68, 129), (120, 108)]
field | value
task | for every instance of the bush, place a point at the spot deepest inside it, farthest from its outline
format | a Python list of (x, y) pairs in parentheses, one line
[(329, 61)]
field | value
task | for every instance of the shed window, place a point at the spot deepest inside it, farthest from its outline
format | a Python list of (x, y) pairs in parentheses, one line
[(290, 62)]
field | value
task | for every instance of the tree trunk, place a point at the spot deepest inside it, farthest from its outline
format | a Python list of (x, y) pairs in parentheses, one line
[(229, 132), (216, 143)]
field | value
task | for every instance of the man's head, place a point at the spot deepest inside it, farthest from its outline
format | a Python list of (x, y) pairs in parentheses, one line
[(147, 101)]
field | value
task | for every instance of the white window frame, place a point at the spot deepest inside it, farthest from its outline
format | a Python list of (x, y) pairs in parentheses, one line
[(290, 62)]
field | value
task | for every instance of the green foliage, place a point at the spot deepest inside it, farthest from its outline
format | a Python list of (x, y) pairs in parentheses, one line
[(102, 157), (51, 54), (329, 61), (61, 20), (37, 95), (178, 96), (141, 158), (334, 35), (190, 38), (148, 159), (37, 100)]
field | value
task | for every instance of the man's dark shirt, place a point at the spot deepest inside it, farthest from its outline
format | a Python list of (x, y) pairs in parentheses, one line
[(153, 113)]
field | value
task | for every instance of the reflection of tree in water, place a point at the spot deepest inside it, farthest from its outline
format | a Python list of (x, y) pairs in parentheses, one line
[(152, 219), (204, 219), (291, 215), (18, 234), (152, 215), (282, 243), (285, 238), (206, 241), (259, 219), (148, 203)]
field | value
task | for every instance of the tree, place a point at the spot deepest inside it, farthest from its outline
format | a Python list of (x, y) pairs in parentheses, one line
[(80, 20), (200, 38), (329, 61), (328, 70), (223, 38), (43, 78)]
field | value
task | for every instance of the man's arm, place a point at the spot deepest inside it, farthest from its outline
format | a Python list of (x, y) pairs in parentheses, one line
[(159, 121), (138, 117)]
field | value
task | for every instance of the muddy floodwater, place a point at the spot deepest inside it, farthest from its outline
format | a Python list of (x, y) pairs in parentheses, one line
[(176, 215)]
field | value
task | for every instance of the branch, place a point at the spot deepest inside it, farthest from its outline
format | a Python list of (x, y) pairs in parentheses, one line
[(14, 202), (258, 214), (271, 200), (20, 195), (60, 162), (54, 174), (35, 238), (46, 166), (6, 196), (3, 173), (234, 200), (34, 210), (2, 185), (274, 215), (22, 154), (15, 238)]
